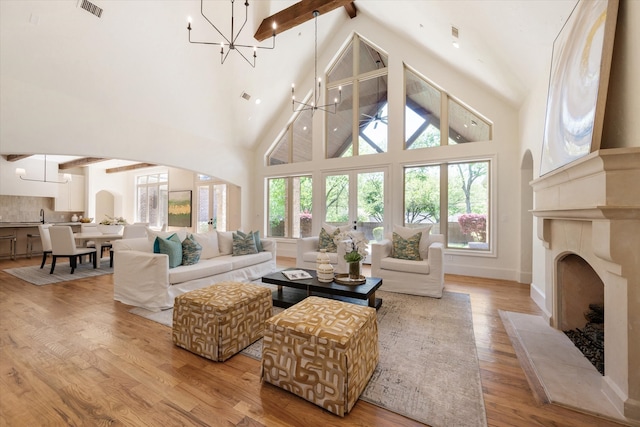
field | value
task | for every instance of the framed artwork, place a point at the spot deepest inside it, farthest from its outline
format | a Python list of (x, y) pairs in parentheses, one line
[(578, 83), (179, 208)]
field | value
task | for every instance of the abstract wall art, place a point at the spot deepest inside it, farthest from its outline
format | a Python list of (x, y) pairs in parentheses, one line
[(180, 208), (578, 83)]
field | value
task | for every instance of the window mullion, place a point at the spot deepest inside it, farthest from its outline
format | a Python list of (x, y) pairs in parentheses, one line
[(444, 118), (444, 202)]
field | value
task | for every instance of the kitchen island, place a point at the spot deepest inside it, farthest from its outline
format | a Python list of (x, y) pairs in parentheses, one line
[(20, 230)]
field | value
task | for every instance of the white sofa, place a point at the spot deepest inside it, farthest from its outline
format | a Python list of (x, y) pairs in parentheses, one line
[(307, 253), (425, 277), (142, 278)]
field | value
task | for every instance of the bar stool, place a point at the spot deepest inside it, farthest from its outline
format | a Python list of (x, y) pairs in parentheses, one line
[(12, 244), (30, 238)]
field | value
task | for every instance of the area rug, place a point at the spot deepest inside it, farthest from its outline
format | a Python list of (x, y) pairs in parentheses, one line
[(62, 273), (428, 369)]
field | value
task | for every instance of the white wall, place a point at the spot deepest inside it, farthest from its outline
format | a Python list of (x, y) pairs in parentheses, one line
[(41, 120), (621, 127), (503, 149)]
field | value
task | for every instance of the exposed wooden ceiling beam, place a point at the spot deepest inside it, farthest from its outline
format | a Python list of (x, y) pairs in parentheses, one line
[(300, 12), (130, 167), (351, 10), (15, 157), (80, 162)]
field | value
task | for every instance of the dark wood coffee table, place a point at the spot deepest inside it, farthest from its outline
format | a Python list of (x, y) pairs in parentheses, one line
[(290, 292)]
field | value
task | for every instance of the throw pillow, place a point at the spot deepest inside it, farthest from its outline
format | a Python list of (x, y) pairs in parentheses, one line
[(225, 242), (243, 244), (256, 238), (152, 234), (407, 232), (171, 247), (407, 248), (329, 228), (325, 240), (166, 236), (209, 243), (191, 251)]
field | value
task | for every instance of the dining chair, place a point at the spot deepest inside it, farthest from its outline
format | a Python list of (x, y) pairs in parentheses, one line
[(45, 238), (93, 228), (64, 245), (133, 231)]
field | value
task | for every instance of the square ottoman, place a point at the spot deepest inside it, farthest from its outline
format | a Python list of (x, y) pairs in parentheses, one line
[(221, 320), (322, 350)]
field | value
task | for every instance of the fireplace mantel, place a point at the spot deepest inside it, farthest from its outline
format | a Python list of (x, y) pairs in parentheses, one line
[(591, 208)]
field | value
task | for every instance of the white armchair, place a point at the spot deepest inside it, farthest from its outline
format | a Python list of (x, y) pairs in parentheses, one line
[(425, 277), (307, 253)]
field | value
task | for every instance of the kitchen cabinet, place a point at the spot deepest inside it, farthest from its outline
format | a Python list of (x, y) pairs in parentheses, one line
[(71, 196)]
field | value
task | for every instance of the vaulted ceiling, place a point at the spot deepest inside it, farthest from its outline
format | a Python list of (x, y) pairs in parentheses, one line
[(135, 58)]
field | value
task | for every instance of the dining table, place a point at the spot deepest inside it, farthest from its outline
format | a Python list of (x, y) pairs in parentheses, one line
[(99, 239)]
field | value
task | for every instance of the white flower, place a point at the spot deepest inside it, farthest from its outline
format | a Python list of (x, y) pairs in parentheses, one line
[(113, 221), (355, 245)]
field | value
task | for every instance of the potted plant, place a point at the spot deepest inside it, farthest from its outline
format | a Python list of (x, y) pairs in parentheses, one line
[(356, 251)]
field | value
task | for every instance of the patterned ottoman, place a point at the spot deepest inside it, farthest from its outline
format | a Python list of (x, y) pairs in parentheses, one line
[(322, 350), (221, 320)]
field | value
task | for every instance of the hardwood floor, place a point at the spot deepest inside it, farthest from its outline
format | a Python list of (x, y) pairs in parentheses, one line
[(70, 355)]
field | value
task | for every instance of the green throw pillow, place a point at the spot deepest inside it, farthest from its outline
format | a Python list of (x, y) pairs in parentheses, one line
[(191, 251), (243, 244), (326, 240), (408, 249), (256, 238), (170, 246)]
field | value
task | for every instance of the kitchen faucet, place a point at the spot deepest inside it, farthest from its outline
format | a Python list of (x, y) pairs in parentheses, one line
[(42, 216)]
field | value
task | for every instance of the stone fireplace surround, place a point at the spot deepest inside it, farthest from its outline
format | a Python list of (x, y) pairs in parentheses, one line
[(591, 209)]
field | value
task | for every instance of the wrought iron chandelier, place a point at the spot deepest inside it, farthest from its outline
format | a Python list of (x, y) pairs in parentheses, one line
[(317, 89), (21, 173), (231, 42)]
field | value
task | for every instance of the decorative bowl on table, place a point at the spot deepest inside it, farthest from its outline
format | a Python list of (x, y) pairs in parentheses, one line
[(86, 220), (110, 228)]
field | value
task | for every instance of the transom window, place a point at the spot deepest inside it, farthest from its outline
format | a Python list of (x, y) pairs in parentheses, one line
[(295, 144), (362, 116), (424, 104)]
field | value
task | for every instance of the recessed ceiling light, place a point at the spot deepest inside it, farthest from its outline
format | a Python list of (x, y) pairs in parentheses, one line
[(258, 101)]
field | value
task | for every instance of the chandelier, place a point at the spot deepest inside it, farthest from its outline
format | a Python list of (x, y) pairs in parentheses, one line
[(317, 89), (231, 41), (21, 173)]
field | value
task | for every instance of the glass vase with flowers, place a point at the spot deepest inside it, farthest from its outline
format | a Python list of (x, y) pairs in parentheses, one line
[(356, 250)]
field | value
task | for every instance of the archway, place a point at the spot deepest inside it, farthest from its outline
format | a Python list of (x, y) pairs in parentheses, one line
[(105, 205)]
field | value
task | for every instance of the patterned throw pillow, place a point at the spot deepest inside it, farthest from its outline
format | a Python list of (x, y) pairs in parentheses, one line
[(243, 244), (326, 240), (191, 251), (408, 249), (172, 247), (256, 238), (406, 232)]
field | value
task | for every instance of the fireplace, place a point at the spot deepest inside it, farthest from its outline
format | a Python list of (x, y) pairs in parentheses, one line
[(588, 217)]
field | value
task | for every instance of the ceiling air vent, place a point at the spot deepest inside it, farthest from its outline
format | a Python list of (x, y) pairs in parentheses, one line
[(90, 7)]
